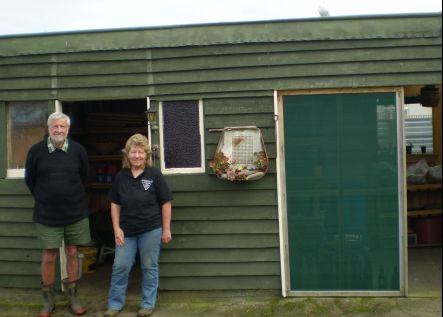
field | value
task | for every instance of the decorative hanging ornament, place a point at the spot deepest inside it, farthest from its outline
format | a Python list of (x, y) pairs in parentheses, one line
[(240, 155)]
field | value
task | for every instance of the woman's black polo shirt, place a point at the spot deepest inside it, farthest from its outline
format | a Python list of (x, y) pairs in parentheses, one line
[(140, 199)]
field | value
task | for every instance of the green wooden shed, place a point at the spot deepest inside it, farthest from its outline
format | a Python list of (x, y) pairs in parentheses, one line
[(327, 94)]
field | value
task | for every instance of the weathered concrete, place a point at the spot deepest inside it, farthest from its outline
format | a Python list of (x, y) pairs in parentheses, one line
[(19, 303)]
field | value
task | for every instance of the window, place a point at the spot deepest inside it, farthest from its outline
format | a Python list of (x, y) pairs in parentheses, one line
[(181, 137), (26, 125), (418, 128)]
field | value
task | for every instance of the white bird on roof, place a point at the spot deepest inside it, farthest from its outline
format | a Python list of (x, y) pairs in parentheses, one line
[(323, 11)]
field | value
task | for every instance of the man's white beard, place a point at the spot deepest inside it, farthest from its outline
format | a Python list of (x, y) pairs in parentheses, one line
[(57, 139)]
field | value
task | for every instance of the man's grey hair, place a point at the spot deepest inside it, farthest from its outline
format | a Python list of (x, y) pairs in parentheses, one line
[(58, 115)]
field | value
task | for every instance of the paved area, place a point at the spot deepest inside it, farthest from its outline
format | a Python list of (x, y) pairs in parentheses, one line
[(18, 303), (424, 300)]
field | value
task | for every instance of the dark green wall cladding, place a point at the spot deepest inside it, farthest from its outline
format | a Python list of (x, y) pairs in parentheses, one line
[(225, 234)]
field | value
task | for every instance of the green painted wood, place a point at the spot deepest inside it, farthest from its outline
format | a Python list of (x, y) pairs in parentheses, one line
[(25, 83), (203, 90), (275, 31), (287, 64), (244, 61), (213, 77), (3, 146), (26, 59), (236, 198), (218, 50), (18, 230), (25, 70), (220, 283), (113, 80), (224, 213), (259, 120), (219, 255), (24, 95), (238, 241), (25, 255), (13, 186), (128, 55), (103, 67), (219, 269), (19, 268), (214, 221), (370, 80), (204, 182), (112, 55), (286, 46), (224, 227), (17, 201), (11, 215), (51, 105), (268, 134), (19, 242), (20, 281), (238, 106)]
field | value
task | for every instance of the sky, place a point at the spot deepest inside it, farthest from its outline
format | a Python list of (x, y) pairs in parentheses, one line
[(41, 16)]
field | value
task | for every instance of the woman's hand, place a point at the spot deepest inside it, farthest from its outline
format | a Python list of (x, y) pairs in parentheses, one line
[(119, 237), (166, 236)]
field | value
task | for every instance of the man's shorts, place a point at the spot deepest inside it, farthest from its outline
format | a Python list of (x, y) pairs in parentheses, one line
[(51, 237)]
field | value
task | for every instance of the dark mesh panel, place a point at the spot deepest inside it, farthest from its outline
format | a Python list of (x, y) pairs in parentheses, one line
[(181, 134)]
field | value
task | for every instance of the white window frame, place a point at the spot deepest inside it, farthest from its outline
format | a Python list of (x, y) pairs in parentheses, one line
[(184, 170), (13, 173)]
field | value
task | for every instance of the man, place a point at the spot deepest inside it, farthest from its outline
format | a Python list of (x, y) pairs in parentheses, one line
[(56, 172)]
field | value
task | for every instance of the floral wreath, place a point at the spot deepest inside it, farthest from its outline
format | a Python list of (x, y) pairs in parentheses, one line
[(233, 171)]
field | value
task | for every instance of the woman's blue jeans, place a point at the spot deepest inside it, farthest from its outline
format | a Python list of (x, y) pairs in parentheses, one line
[(148, 245)]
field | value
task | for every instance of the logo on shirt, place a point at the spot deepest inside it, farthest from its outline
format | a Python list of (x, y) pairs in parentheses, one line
[(146, 183)]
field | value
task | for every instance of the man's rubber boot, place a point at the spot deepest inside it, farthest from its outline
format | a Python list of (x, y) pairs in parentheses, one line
[(48, 301), (71, 291)]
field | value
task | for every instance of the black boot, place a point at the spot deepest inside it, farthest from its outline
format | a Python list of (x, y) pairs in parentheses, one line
[(48, 301), (71, 291)]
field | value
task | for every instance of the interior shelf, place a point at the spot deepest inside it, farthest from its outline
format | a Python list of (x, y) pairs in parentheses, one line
[(422, 245), (424, 212), (413, 158), (422, 187)]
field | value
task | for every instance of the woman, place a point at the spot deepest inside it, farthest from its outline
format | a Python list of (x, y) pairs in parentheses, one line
[(141, 217)]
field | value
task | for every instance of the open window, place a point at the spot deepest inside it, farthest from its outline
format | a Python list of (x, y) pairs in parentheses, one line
[(422, 113)]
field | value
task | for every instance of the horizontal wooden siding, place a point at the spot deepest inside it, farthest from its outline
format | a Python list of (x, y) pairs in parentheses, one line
[(225, 234)]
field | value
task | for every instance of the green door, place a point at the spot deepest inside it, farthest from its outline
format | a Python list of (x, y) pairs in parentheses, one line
[(342, 189)]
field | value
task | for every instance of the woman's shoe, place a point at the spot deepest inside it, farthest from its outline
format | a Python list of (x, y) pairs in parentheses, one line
[(144, 312), (111, 313)]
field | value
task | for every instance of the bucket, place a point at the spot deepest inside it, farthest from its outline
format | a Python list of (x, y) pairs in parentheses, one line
[(89, 260)]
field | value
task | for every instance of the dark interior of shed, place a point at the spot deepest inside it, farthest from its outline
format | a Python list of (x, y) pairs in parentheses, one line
[(103, 127)]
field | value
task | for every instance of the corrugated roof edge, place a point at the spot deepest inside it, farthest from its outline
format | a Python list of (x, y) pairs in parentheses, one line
[(307, 29)]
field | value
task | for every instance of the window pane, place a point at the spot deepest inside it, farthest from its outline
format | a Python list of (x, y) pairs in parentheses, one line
[(181, 130), (26, 126), (418, 128)]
